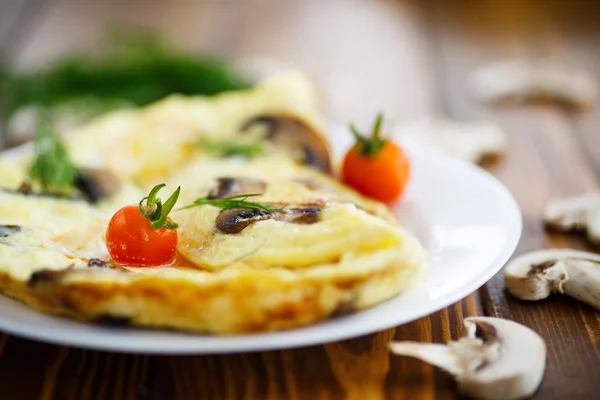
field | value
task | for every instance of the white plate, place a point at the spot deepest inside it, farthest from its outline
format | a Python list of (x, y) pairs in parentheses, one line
[(467, 221)]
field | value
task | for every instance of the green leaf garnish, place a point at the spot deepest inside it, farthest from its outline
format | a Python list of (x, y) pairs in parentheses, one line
[(52, 167), (155, 211), (369, 146), (237, 201), (227, 148)]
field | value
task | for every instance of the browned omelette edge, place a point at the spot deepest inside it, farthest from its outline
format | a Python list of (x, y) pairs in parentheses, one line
[(243, 304)]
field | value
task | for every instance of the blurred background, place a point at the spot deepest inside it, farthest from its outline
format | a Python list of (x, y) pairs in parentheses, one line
[(407, 58)]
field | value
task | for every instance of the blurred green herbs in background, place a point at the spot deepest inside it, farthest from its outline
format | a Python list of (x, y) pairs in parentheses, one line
[(132, 68)]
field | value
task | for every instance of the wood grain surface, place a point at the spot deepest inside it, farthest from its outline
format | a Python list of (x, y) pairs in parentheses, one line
[(409, 59)]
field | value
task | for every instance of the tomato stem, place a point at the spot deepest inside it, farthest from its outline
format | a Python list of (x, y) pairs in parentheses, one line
[(155, 211), (359, 138), (377, 126), (370, 146)]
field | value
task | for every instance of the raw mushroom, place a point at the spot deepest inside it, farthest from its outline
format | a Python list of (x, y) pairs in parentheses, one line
[(522, 81), (471, 141), (96, 184), (580, 213), (497, 359), (302, 141), (227, 187), (534, 276)]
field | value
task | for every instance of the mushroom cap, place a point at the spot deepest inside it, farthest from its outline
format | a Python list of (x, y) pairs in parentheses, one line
[(471, 141), (520, 80), (571, 213), (535, 275), (515, 371), (497, 359)]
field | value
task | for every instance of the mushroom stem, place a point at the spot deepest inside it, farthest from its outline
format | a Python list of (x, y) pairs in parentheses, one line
[(583, 281), (534, 276), (496, 359), (439, 355)]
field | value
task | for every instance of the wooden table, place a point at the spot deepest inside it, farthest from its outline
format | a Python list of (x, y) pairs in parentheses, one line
[(410, 59)]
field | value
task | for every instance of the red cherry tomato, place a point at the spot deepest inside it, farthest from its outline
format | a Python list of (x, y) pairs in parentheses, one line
[(132, 241), (375, 166), (382, 176)]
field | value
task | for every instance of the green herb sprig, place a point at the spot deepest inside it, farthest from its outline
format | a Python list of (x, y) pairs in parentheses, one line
[(52, 166), (157, 212), (369, 146), (228, 148), (237, 201), (133, 67)]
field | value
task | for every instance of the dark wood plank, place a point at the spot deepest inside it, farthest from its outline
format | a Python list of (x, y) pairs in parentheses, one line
[(15, 19), (551, 154), (415, 61), (353, 369), (360, 368)]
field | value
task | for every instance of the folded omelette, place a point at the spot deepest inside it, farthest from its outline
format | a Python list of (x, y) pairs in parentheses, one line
[(338, 252)]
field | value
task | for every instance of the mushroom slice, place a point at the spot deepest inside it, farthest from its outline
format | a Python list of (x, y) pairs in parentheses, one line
[(471, 141), (523, 81), (235, 220), (49, 275), (300, 215), (7, 230), (98, 263), (497, 359), (534, 276), (579, 213), (227, 187), (96, 184), (304, 143)]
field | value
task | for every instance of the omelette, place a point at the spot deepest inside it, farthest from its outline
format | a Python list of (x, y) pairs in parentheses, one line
[(326, 251)]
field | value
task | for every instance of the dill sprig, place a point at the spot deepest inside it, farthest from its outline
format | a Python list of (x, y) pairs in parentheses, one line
[(228, 148), (155, 211), (52, 166), (237, 201)]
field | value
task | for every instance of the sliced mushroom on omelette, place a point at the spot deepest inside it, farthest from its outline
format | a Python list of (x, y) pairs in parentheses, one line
[(320, 250)]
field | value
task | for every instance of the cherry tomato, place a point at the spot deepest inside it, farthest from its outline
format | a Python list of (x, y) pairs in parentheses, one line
[(376, 167), (131, 240)]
